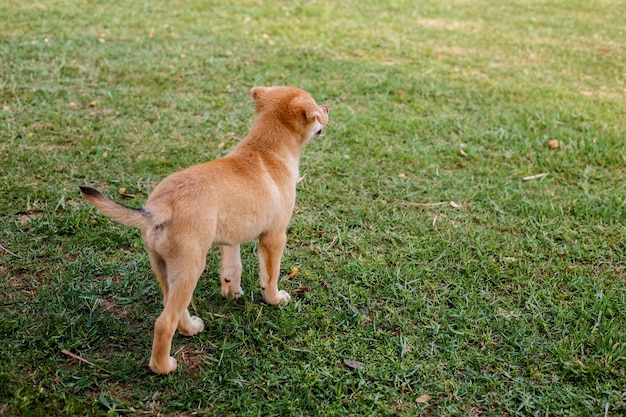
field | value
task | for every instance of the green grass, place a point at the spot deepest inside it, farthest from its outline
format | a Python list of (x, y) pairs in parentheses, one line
[(510, 304)]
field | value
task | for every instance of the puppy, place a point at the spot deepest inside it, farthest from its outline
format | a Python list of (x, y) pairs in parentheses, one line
[(248, 194)]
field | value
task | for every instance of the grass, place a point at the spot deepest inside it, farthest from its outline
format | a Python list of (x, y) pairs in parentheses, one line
[(509, 302)]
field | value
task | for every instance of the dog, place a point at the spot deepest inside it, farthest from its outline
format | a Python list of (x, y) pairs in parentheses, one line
[(248, 194)]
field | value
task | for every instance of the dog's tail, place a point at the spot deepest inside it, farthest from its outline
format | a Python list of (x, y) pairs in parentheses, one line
[(116, 211)]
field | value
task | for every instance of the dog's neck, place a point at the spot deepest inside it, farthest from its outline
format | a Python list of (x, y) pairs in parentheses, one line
[(273, 147), (275, 138)]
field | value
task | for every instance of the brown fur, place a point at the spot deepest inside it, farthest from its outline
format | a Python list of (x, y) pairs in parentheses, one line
[(248, 194)]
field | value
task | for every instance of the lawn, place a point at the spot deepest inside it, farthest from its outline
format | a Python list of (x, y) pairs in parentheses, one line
[(459, 232)]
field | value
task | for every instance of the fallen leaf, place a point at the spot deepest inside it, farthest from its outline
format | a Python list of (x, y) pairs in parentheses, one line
[(302, 289), (354, 364), (124, 194), (553, 144), (293, 273), (422, 399)]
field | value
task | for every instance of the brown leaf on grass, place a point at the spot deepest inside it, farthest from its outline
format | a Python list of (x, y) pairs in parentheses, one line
[(302, 289), (354, 364), (553, 144), (293, 273), (124, 194), (423, 399)]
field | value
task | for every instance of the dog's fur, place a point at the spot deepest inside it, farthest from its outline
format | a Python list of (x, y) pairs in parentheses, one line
[(248, 194)]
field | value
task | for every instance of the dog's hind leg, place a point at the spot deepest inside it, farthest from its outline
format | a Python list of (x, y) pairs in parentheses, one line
[(271, 247), (230, 275), (187, 325), (182, 277), (160, 270)]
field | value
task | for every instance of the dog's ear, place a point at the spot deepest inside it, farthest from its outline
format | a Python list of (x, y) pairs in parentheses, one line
[(307, 109), (257, 92), (313, 114)]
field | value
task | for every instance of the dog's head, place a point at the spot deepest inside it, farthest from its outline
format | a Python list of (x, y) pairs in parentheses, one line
[(292, 107)]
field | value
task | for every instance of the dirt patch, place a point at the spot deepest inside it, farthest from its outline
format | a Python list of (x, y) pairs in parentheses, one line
[(193, 360), (450, 24), (114, 309)]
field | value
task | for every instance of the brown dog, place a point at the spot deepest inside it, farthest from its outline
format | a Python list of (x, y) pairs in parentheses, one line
[(248, 194)]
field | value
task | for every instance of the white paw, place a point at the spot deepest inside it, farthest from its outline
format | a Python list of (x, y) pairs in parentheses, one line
[(283, 298), (232, 294), (194, 326), (279, 299), (168, 368)]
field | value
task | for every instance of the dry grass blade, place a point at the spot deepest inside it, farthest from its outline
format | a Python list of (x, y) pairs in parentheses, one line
[(534, 177), (80, 358), (412, 204), (8, 251)]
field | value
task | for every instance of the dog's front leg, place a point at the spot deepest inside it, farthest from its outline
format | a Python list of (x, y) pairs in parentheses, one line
[(271, 246), (230, 275)]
